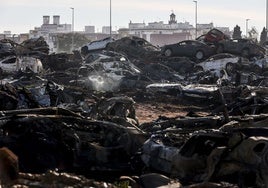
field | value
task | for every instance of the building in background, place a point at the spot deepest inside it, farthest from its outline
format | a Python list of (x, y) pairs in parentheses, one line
[(48, 28), (89, 29), (159, 33), (106, 29)]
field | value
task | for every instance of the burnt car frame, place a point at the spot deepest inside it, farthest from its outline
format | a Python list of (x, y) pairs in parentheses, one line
[(212, 36), (243, 47), (188, 48), (134, 47)]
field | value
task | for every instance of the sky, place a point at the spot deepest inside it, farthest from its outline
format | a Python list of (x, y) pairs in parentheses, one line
[(20, 16)]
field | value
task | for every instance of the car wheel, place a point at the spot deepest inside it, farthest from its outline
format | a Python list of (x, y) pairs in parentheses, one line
[(199, 55), (229, 68), (219, 49), (198, 69), (245, 52), (168, 52)]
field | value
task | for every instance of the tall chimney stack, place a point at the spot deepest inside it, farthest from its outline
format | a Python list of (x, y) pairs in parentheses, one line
[(45, 19), (56, 19)]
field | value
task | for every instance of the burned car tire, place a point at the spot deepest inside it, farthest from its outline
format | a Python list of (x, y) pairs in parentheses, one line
[(168, 52), (199, 55), (229, 68)]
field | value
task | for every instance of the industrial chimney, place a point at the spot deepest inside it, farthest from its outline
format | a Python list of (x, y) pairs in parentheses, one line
[(56, 19), (45, 19)]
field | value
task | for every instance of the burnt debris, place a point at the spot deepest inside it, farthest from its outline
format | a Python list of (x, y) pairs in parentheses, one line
[(97, 116)]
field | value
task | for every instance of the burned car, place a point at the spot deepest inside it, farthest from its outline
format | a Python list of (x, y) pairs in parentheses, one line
[(213, 36), (6, 49), (243, 47), (134, 47), (37, 47), (182, 65), (260, 65), (237, 156), (104, 71), (11, 64), (192, 91), (223, 61), (188, 48)]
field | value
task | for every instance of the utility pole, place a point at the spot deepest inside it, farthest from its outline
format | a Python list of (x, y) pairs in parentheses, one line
[(111, 18), (266, 15), (72, 48), (247, 27), (195, 18)]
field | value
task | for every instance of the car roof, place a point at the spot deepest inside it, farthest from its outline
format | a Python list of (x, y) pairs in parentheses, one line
[(224, 55)]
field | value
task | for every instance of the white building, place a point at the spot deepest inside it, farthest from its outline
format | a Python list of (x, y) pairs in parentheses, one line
[(159, 33), (89, 29), (47, 28), (106, 29)]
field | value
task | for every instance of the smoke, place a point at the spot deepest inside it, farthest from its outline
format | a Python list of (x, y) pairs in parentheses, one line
[(104, 82)]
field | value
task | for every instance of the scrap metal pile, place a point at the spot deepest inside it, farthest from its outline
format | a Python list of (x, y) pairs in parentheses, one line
[(77, 119)]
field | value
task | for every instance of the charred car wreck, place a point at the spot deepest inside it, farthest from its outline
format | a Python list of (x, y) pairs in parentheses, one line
[(97, 117)]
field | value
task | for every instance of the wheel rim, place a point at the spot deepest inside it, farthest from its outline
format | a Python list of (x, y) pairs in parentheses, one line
[(199, 55), (168, 52)]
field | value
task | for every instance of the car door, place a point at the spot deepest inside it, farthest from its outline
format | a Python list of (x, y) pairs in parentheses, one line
[(187, 49), (179, 48)]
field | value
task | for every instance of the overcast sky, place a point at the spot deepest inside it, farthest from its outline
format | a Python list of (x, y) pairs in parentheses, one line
[(23, 15)]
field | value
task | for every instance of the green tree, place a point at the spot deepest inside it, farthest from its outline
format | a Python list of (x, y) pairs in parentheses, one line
[(263, 36), (237, 32), (64, 41)]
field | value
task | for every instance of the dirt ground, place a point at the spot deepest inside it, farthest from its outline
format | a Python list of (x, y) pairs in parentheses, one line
[(149, 110)]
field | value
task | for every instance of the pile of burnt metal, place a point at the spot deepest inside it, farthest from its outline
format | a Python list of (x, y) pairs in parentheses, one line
[(70, 119)]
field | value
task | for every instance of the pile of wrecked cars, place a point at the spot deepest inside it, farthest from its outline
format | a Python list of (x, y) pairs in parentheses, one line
[(75, 119)]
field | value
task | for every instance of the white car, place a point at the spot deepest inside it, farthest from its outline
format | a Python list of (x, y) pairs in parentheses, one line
[(96, 45), (219, 62)]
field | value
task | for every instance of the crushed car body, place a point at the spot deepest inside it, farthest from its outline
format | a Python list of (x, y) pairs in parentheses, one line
[(124, 113), (11, 64), (134, 47), (243, 47), (105, 71)]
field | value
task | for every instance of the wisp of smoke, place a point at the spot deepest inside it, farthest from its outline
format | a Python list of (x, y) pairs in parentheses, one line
[(104, 81)]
